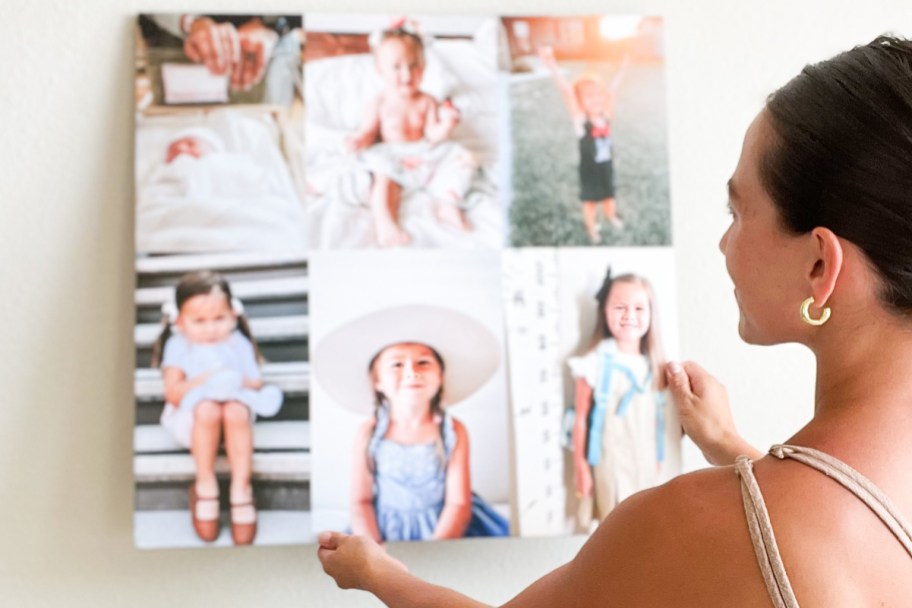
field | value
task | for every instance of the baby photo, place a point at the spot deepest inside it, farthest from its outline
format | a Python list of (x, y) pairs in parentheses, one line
[(219, 134), (601, 396), (401, 123), (222, 438), (194, 59), (411, 438), (587, 109)]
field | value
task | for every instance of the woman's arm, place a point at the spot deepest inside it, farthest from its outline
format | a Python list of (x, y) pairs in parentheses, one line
[(457, 506), (582, 405), (177, 385), (363, 513), (670, 546), (356, 562)]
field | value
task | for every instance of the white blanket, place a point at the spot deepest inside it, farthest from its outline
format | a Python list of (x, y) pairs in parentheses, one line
[(238, 198), (336, 92)]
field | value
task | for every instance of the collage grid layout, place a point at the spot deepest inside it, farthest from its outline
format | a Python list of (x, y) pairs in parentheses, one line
[(399, 276)]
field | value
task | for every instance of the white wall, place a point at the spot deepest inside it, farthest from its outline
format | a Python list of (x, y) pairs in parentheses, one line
[(65, 262)]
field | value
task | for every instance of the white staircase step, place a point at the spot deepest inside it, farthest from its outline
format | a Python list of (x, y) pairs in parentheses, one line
[(171, 529), (265, 289), (292, 377), (264, 329), (268, 436), (172, 264), (267, 466)]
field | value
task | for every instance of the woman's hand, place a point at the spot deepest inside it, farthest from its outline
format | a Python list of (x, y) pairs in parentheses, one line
[(215, 45), (355, 562), (702, 403)]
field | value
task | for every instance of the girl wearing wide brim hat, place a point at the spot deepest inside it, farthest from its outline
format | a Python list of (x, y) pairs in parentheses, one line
[(408, 365)]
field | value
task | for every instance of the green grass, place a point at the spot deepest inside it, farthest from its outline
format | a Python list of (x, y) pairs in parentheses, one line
[(546, 210)]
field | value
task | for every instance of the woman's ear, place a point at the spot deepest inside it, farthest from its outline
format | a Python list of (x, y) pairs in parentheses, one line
[(828, 252)]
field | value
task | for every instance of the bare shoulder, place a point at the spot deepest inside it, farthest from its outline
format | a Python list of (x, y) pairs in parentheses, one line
[(681, 544)]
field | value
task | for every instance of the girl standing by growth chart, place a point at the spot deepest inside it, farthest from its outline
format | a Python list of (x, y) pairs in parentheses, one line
[(618, 432)]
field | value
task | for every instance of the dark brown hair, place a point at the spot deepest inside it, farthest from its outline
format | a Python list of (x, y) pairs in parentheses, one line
[(201, 282), (841, 157)]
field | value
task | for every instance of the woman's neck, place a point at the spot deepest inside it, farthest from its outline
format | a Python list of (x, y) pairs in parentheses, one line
[(864, 389)]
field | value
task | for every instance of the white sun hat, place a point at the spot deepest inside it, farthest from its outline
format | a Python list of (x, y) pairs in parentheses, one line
[(470, 352)]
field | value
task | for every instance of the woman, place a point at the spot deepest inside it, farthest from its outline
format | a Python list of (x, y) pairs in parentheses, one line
[(821, 209)]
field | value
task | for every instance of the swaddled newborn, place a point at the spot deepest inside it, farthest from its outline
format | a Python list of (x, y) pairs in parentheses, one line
[(218, 187)]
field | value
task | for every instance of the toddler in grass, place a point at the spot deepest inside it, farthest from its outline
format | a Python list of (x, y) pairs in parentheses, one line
[(590, 103), (403, 140)]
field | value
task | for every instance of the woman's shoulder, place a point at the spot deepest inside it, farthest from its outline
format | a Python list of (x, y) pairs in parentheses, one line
[(684, 543)]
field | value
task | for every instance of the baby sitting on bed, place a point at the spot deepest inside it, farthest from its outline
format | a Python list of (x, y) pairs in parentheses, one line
[(403, 140)]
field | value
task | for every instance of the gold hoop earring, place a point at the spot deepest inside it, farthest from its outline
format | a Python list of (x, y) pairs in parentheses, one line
[(806, 313)]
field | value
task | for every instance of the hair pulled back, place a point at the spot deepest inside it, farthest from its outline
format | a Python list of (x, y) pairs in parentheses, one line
[(841, 157)]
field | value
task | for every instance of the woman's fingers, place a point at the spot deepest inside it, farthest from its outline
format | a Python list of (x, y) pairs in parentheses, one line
[(678, 380), (329, 540)]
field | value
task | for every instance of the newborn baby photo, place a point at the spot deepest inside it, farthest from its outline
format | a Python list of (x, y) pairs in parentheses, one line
[(219, 133)]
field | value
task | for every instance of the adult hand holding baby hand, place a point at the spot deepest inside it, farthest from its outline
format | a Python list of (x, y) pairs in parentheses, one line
[(256, 43), (215, 45), (355, 562), (702, 404)]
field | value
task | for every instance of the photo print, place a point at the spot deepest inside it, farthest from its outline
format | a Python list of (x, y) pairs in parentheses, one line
[(219, 135), (402, 119), (222, 433), (587, 109), (410, 405), (588, 331)]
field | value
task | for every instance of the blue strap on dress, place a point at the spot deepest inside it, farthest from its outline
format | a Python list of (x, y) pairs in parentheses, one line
[(410, 486), (601, 398)]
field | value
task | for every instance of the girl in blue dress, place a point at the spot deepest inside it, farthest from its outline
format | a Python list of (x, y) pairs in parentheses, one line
[(411, 477), (213, 387)]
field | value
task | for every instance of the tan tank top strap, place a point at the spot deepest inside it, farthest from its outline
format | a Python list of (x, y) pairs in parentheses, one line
[(763, 539), (855, 482)]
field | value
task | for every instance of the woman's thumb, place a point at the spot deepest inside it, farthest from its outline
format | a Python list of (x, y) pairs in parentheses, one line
[(328, 540), (677, 379)]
